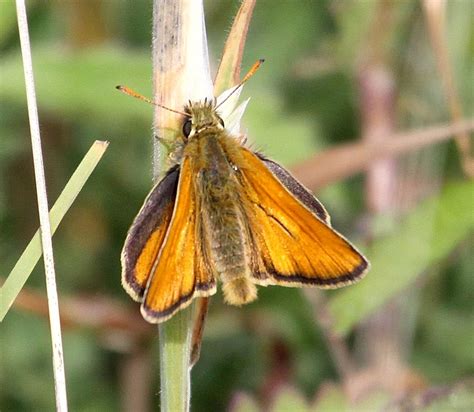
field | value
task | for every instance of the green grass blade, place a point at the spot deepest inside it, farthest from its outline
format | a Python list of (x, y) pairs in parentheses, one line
[(29, 258), (427, 235)]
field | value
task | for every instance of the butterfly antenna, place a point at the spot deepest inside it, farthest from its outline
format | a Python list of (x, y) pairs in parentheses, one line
[(133, 93), (250, 73)]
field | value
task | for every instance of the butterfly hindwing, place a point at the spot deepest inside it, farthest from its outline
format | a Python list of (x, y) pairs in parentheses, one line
[(295, 246), (145, 237), (180, 272)]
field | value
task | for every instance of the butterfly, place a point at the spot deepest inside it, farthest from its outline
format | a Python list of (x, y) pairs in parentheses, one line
[(223, 213)]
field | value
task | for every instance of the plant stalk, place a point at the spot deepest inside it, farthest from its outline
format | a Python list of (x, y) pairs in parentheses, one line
[(180, 73), (43, 210)]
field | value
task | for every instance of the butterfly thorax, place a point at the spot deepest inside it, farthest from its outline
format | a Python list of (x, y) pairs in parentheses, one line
[(220, 220)]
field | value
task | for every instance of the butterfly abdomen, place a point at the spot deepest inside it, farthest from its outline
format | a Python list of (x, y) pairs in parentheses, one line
[(228, 249)]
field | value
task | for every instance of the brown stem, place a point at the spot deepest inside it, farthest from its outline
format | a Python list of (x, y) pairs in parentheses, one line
[(105, 315), (228, 73), (345, 160), (335, 342), (135, 377)]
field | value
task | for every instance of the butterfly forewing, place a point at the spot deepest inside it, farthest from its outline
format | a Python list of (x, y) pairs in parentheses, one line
[(180, 272), (295, 245)]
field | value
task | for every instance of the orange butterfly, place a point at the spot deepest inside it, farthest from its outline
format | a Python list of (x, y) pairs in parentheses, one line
[(223, 212)]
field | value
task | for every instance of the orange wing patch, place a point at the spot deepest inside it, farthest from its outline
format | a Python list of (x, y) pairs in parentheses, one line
[(145, 237), (180, 272), (294, 245)]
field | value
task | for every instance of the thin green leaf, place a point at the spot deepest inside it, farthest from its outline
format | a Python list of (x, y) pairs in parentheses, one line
[(29, 258)]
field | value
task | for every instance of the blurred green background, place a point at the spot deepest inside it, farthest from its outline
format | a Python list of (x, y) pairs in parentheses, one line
[(408, 328)]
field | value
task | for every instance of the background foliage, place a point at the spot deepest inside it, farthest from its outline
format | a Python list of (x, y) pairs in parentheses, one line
[(306, 98)]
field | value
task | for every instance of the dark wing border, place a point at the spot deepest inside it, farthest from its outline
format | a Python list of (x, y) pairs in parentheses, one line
[(145, 223)]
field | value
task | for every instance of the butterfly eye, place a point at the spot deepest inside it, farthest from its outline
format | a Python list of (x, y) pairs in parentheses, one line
[(187, 127)]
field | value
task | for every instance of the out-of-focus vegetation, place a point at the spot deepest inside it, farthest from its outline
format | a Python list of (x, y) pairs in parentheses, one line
[(408, 328)]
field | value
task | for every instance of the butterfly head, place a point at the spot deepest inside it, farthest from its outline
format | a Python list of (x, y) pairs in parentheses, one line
[(201, 116)]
